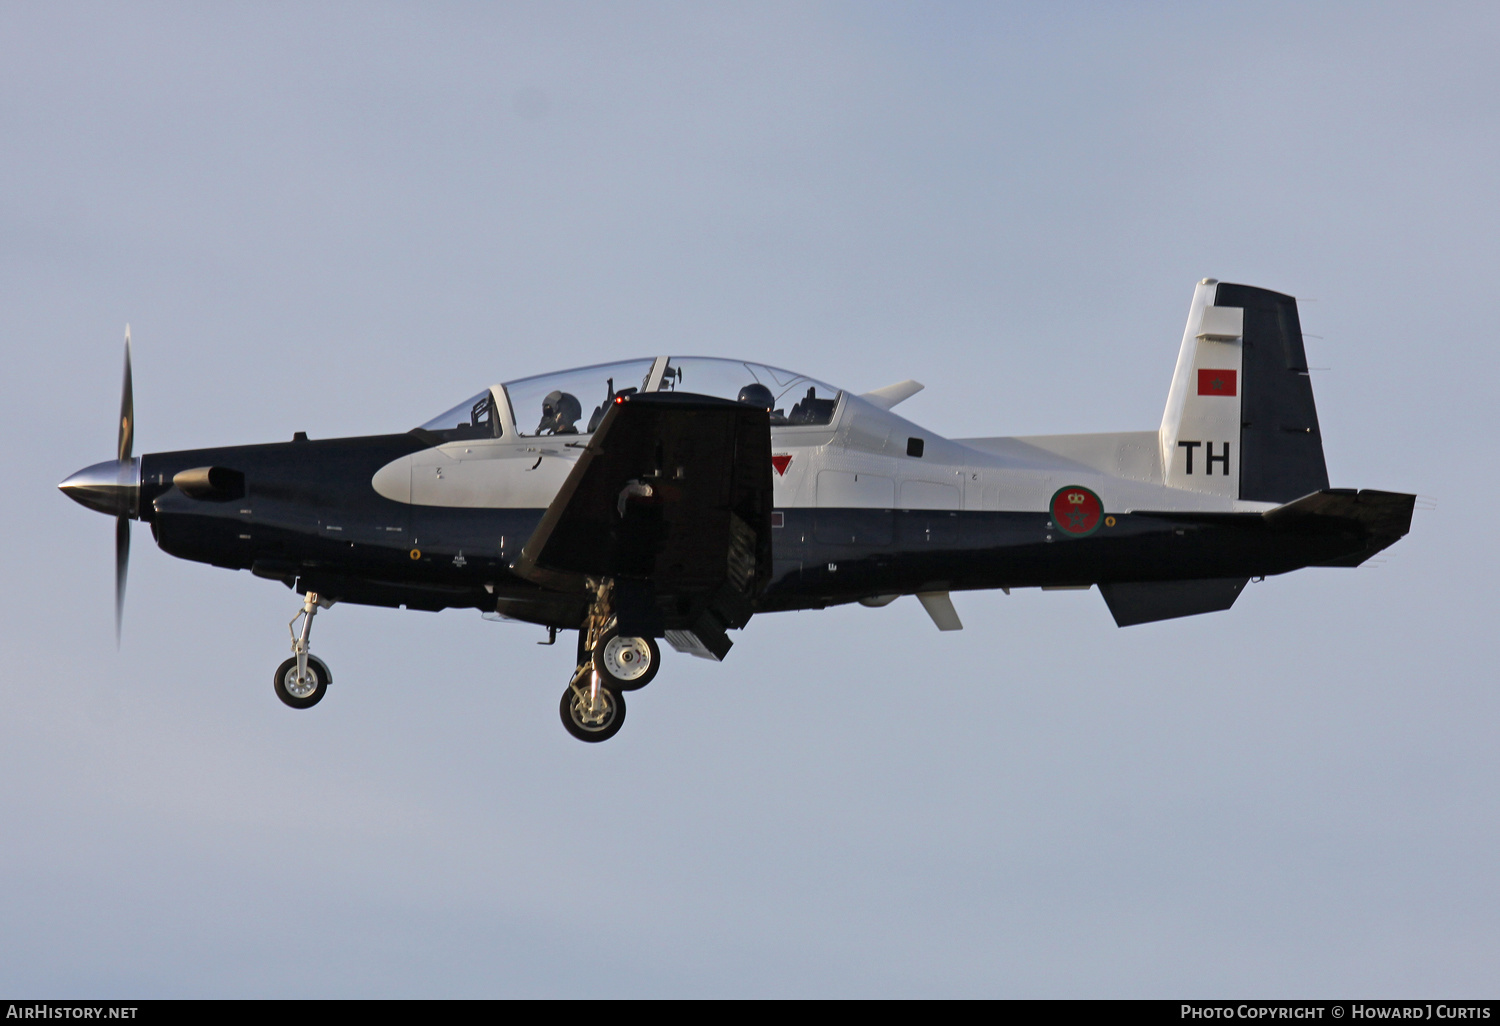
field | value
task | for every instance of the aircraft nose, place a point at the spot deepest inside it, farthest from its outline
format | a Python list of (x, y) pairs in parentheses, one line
[(110, 487)]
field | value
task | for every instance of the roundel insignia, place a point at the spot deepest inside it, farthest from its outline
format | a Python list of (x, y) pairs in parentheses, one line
[(1076, 511)]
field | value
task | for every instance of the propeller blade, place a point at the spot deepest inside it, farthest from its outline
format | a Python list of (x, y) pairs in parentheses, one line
[(122, 563), (127, 407), (122, 518)]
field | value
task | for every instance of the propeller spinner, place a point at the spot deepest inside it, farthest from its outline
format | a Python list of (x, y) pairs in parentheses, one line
[(114, 487)]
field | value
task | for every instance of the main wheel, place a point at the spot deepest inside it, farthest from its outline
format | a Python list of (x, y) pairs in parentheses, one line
[(309, 691), (599, 724), (626, 664)]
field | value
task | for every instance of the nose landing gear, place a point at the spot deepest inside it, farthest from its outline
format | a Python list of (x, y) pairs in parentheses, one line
[(302, 680)]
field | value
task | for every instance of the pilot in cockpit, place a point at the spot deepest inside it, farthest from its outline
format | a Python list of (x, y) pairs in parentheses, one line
[(560, 413), (756, 394)]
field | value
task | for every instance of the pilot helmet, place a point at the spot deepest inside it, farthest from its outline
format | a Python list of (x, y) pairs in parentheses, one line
[(560, 413), (758, 395)]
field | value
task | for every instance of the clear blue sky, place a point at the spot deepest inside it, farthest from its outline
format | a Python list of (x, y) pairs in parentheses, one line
[(345, 218)]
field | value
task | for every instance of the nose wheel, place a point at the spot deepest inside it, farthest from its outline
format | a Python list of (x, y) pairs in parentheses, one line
[(302, 689), (303, 679)]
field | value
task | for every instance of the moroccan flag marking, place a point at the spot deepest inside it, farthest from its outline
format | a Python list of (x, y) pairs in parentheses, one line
[(1217, 382), (1076, 511), (781, 461)]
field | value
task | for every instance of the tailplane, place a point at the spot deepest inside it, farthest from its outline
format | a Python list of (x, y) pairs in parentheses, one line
[(1380, 518)]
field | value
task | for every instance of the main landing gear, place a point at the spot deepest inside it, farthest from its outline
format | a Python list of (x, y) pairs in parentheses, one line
[(593, 704), (302, 680), (609, 664), (629, 664)]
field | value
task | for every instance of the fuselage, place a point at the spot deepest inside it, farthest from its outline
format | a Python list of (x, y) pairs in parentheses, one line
[(867, 506)]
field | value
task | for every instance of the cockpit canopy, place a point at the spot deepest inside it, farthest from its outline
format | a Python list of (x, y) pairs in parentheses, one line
[(573, 402), (791, 398), (475, 417)]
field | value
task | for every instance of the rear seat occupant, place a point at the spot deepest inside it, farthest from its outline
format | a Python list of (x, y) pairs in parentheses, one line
[(560, 413)]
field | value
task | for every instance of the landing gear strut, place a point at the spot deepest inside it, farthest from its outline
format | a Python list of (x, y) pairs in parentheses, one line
[(609, 664), (302, 680)]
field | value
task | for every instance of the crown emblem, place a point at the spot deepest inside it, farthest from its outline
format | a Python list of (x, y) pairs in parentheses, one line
[(1076, 511)]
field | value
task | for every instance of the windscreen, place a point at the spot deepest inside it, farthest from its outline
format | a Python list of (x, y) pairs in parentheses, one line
[(475, 417)]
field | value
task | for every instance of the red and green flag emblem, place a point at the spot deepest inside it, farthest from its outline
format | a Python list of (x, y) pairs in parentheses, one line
[(1077, 511)]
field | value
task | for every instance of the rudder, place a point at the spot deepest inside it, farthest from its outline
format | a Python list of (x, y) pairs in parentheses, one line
[(1281, 448)]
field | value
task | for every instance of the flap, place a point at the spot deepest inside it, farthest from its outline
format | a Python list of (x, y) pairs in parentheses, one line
[(672, 495)]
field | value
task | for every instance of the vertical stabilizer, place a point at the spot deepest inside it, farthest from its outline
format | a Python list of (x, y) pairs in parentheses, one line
[(1200, 430), (1240, 420)]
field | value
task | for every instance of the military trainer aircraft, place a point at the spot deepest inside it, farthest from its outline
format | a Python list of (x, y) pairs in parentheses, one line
[(675, 497)]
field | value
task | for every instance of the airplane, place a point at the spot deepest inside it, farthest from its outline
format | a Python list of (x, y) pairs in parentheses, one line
[(698, 492)]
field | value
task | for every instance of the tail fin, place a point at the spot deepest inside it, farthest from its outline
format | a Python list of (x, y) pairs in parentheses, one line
[(1240, 419)]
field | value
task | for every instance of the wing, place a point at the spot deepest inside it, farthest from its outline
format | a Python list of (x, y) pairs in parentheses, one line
[(672, 500)]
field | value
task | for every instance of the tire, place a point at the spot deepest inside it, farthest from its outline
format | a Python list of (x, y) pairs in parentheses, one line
[(575, 723), (302, 697), (625, 663)]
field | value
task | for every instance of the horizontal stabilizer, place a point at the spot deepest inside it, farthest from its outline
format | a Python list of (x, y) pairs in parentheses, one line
[(1361, 522), (1379, 512), (1385, 517), (1148, 601), (890, 395)]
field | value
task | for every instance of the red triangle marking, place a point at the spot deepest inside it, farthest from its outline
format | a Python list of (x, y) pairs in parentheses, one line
[(781, 463)]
